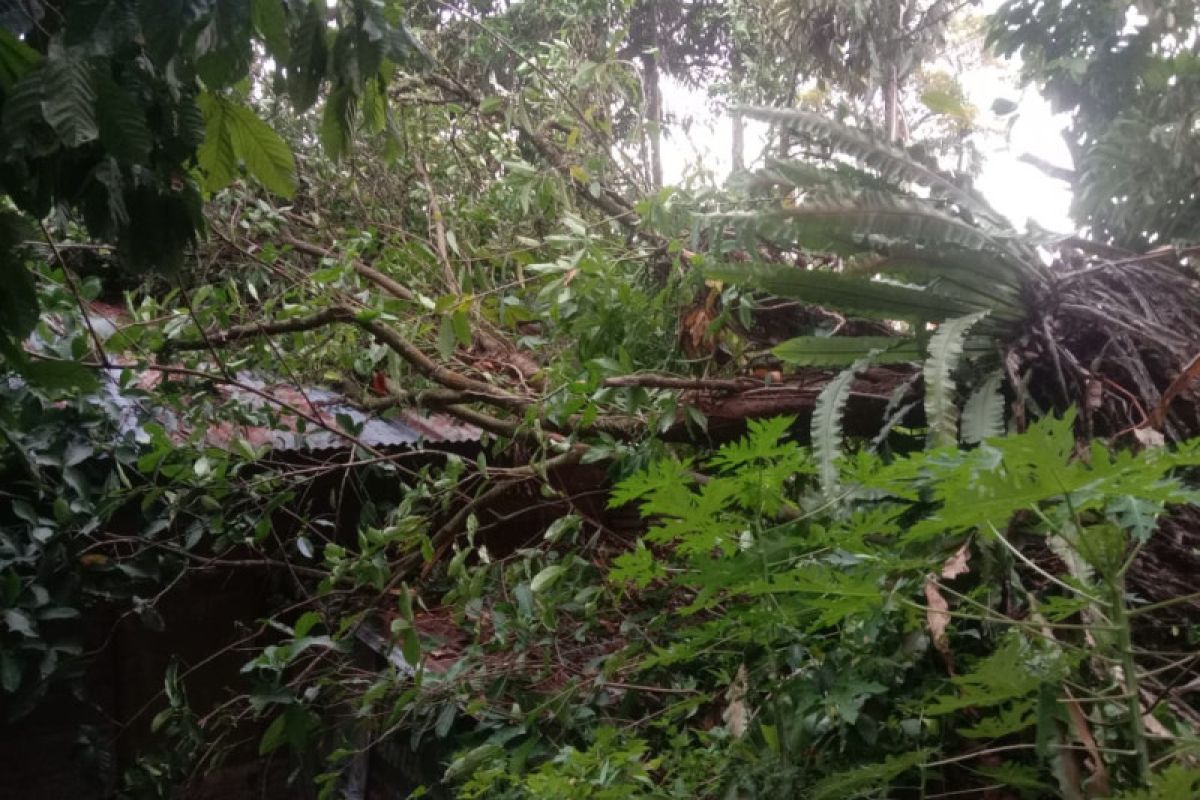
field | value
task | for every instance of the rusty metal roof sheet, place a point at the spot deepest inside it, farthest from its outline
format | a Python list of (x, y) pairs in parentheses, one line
[(406, 429)]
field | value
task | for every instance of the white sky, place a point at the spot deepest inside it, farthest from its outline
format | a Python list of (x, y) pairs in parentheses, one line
[(1018, 190)]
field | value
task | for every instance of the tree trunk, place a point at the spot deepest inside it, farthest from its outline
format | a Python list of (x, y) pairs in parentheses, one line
[(738, 153), (738, 156), (653, 116), (891, 105)]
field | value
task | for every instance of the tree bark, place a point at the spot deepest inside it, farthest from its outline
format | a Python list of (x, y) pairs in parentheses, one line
[(653, 91), (738, 156)]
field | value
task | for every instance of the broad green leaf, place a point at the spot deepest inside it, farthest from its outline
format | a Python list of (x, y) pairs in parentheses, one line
[(306, 68), (270, 20), (17, 59), (223, 46), (546, 577), (273, 736), (70, 101), (216, 157), (337, 120), (232, 133), (266, 155), (123, 129)]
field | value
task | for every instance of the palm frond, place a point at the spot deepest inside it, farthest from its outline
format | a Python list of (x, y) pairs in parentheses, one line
[(891, 162), (850, 295)]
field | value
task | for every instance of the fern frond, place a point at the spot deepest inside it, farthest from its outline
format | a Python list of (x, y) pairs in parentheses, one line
[(945, 352), (983, 413), (827, 424), (858, 296)]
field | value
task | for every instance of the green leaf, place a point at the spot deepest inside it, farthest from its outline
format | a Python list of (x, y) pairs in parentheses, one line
[(234, 132), (833, 351), (270, 20), (17, 59), (336, 122), (983, 413), (58, 375), (305, 624), (10, 668), (858, 296), (854, 782), (223, 46), (265, 154), (462, 327), (893, 163), (70, 101), (306, 68), (123, 130), (18, 294), (945, 351), (546, 577), (947, 103), (827, 425), (215, 156), (19, 622), (273, 736), (447, 340)]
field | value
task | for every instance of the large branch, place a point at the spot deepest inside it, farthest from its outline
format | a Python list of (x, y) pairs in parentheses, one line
[(388, 284), (478, 390), (607, 201), (724, 401), (221, 337)]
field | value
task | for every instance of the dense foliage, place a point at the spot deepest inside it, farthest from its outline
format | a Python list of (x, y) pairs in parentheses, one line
[(822, 481)]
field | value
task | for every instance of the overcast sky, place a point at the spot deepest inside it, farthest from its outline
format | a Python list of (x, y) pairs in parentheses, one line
[(1016, 189)]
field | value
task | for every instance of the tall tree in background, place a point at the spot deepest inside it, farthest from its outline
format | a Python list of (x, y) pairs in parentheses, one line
[(1129, 76)]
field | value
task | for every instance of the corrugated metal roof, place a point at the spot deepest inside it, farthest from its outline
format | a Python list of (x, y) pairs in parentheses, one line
[(290, 432), (406, 429)]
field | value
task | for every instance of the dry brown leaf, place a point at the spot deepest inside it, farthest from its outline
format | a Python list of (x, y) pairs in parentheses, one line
[(937, 617), (957, 564), (1186, 377), (1149, 438), (736, 716), (1095, 394), (1098, 783)]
